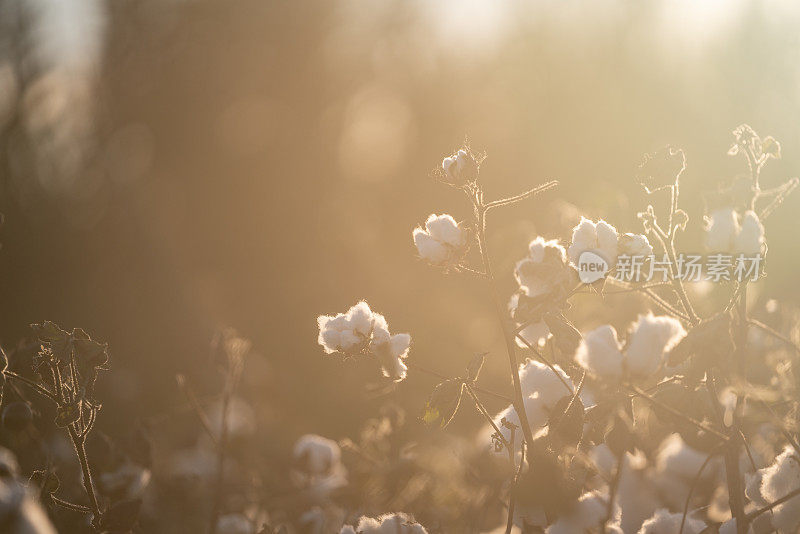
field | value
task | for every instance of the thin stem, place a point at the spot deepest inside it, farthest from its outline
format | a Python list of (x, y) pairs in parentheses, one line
[(676, 413), (485, 413), (695, 480), (418, 367), (544, 360), (774, 333), (80, 449), (518, 402), (516, 198), (511, 499), (36, 387), (755, 513), (70, 505)]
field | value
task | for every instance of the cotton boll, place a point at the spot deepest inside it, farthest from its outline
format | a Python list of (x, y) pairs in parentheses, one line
[(429, 248), (386, 524), (587, 514), (600, 352), (538, 378), (636, 245), (543, 270), (599, 237), (652, 337), (360, 318), (676, 458), (441, 240), (316, 455), (234, 524), (444, 229), (722, 229), (750, 239), (664, 522), (778, 480), (537, 419), (607, 241), (391, 354)]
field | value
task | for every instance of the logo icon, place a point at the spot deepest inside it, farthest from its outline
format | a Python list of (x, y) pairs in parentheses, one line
[(591, 267)]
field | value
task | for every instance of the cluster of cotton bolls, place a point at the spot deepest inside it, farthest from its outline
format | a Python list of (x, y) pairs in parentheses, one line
[(776, 482), (728, 232), (442, 242), (602, 238), (362, 331), (603, 355)]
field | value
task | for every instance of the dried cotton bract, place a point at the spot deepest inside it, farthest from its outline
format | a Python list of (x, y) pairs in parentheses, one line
[(362, 331), (442, 242), (601, 352)]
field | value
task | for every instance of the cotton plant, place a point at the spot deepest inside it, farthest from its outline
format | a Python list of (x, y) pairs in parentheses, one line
[(362, 332), (586, 394)]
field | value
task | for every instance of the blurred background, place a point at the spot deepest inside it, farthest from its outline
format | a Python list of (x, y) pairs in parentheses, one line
[(172, 167)]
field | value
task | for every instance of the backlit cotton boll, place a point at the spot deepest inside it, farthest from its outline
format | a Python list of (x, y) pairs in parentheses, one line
[(399, 523), (587, 515), (316, 455), (664, 522), (361, 331), (634, 245), (778, 480), (750, 240), (599, 237), (651, 338), (442, 241), (460, 168), (721, 230), (542, 270), (536, 413), (346, 332), (538, 379), (600, 352), (318, 464)]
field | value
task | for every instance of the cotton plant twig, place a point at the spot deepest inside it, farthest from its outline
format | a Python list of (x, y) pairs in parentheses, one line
[(522, 196), (702, 426), (481, 210), (774, 333), (512, 501), (482, 410), (418, 367)]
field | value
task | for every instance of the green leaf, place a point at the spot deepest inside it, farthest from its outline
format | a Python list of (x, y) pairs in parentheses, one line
[(443, 402)]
